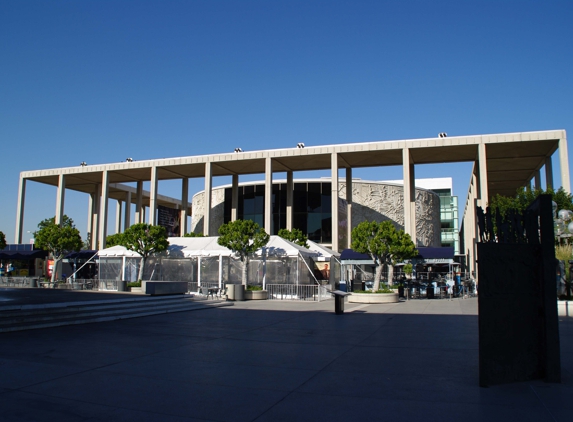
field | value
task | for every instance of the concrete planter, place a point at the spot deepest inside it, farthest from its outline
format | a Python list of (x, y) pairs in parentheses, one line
[(135, 289), (256, 295), (565, 308), (373, 298)]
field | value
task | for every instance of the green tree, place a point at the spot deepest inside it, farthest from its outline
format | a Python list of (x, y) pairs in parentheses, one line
[(193, 234), (114, 240), (2, 240), (295, 236), (58, 240), (144, 239), (524, 197), (243, 237), (384, 244)]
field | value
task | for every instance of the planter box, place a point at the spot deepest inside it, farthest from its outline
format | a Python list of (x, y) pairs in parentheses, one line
[(135, 289), (256, 295), (373, 298)]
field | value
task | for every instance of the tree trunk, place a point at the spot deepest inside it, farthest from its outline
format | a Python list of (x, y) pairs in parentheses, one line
[(390, 274), (377, 276), (55, 269), (245, 272), (141, 265)]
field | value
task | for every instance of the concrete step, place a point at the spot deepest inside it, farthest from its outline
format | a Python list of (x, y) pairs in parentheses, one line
[(57, 314)]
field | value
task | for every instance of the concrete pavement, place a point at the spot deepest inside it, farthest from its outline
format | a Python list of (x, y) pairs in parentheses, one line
[(272, 361)]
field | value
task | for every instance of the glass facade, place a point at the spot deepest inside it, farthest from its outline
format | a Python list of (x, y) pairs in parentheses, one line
[(449, 219), (312, 207)]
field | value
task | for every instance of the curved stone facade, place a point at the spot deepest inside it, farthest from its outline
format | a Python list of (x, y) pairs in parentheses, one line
[(371, 201)]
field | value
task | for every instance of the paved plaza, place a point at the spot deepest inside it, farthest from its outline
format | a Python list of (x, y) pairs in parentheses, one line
[(272, 361)]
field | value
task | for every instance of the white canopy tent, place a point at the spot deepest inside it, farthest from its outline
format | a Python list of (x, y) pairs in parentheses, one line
[(118, 263)]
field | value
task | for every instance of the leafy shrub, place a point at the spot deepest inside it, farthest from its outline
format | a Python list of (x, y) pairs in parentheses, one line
[(134, 284), (254, 288)]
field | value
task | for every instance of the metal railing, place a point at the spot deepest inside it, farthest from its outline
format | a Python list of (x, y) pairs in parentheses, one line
[(300, 292)]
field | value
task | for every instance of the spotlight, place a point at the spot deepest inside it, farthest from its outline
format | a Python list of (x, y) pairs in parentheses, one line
[(83, 164), (129, 160), (238, 149), (442, 134), (300, 145)]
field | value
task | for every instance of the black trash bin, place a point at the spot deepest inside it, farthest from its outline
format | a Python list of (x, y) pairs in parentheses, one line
[(430, 292)]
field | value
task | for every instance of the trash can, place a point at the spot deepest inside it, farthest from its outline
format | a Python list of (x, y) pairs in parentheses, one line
[(430, 292), (33, 282), (230, 291), (357, 285), (121, 286), (338, 304), (342, 286), (235, 292)]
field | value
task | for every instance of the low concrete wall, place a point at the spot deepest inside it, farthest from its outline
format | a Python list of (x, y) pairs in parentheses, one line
[(164, 287), (565, 308), (373, 298), (256, 295)]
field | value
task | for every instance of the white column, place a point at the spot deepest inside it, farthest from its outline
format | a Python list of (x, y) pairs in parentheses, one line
[(96, 214), (151, 218), (20, 210), (184, 206), (127, 217), (103, 212), (139, 203), (90, 217), (268, 196), (548, 173), (564, 165), (289, 200), (60, 199), (235, 197), (537, 183), (334, 199), (220, 271), (207, 202), (482, 182), (118, 209), (349, 205), (409, 194)]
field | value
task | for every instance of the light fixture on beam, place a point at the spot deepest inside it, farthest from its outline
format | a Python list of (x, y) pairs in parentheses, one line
[(238, 149), (129, 160), (442, 135), (300, 145), (83, 164)]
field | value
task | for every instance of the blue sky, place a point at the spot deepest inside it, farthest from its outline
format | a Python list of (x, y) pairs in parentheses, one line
[(100, 81)]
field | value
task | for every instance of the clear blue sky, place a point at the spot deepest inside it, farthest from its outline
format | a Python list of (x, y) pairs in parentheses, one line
[(100, 81)]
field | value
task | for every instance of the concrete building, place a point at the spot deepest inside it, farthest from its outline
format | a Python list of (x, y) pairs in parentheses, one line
[(502, 163)]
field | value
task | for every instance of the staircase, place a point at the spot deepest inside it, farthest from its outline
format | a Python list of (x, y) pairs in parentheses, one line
[(28, 317)]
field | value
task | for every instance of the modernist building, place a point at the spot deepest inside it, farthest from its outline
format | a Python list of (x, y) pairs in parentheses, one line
[(502, 164), (312, 208)]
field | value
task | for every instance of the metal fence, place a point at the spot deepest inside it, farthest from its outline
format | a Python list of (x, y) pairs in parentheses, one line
[(301, 292)]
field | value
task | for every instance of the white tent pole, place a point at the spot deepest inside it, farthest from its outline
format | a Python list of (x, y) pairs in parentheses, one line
[(199, 271), (123, 269), (264, 267), (220, 271)]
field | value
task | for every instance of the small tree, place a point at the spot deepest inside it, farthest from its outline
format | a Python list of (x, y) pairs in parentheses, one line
[(114, 240), (243, 237), (295, 236), (144, 239), (383, 243), (58, 240), (193, 234), (2, 240)]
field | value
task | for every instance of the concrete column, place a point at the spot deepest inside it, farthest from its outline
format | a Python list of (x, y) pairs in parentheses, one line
[(90, 217), (184, 206), (548, 173), (139, 203), (409, 194), (127, 217), (268, 196), (537, 182), (151, 218), (118, 209), (20, 211), (482, 182), (103, 213), (208, 194), (289, 200), (235, 198), (564, 165), (96, 215), (60, 199), (334, 199), (349, 205)]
